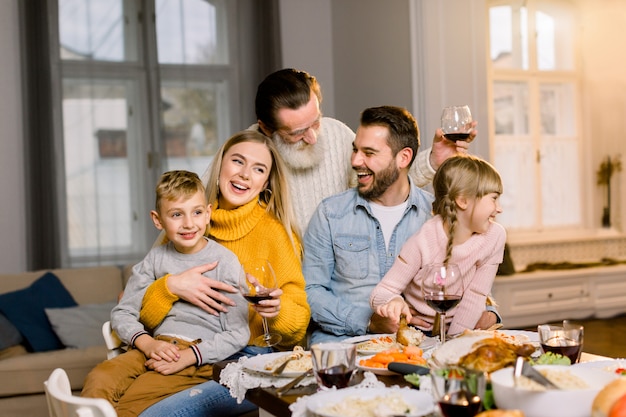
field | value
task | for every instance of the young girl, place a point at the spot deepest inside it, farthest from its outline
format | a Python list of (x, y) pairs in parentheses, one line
[(462, 232)]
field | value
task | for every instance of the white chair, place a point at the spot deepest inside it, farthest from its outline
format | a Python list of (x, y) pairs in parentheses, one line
[(112, 341), (61, 402)]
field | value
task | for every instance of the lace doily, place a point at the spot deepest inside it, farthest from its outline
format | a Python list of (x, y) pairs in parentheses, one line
[(239, 381)]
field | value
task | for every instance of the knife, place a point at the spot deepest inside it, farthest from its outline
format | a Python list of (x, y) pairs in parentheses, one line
[(524, 368), (289, 385), (407, 368)]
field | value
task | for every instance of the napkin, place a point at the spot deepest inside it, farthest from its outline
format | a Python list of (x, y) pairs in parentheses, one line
[(239, 380)]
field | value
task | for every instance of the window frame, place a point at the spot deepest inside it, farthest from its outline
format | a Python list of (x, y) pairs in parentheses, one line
[(147, 75), (535, 78)]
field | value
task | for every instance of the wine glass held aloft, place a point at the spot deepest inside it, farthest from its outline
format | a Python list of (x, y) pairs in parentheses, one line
[(256, 284), (442, 288), (456, 122)]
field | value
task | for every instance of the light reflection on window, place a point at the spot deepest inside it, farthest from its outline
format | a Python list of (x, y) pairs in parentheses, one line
[(191, 32)]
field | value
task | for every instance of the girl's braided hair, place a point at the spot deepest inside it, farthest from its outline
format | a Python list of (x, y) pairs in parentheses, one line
[(461, 176)]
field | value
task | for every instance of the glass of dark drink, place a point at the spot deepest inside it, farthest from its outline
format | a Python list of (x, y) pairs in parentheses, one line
[(256, 283), (456, 122), (458, 391), (333, 364), (566, 339), (442, 289)]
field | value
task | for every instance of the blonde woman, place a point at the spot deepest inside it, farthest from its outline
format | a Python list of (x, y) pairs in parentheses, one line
[(252, 217)]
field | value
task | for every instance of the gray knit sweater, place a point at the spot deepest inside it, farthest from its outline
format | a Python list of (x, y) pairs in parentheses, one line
[(221, 335)]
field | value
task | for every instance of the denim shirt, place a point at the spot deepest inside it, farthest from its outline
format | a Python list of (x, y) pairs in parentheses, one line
[(345, 257)]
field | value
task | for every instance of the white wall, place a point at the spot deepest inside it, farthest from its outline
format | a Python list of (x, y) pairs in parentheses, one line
[(604, 102), (307, 43), (12, 198)]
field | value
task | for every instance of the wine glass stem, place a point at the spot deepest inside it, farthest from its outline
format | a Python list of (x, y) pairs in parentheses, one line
[(442, 327), (266, 330)]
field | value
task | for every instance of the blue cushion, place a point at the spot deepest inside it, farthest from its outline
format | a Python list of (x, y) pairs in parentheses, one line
[(9, 335), (25, 309)]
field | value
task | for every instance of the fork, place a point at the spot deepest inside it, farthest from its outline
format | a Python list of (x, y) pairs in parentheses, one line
[(279, 370)]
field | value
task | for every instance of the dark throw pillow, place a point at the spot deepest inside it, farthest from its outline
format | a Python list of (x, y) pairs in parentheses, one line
[(26, 310)]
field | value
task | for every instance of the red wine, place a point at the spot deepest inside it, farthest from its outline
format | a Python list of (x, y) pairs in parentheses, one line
[(442, 303), (254, 299), (460, 404), (566, 347), (337, 376), (456, 136)]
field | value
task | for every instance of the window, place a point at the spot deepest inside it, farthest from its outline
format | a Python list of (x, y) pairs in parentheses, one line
[(534, 113), (137, 97)]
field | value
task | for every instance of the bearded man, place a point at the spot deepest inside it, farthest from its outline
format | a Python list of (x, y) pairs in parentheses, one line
[(354, 237)]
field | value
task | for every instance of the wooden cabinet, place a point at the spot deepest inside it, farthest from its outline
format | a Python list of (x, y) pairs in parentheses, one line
[(528, 299)]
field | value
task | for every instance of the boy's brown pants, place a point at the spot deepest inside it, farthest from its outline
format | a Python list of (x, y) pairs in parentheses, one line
[(131, 387)]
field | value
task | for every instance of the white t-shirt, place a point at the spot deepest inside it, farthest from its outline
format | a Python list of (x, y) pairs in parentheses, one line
[(388, 217)]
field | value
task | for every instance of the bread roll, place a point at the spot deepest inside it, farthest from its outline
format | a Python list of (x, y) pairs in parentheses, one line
[(501, 413), (408, 335), (607, 397)]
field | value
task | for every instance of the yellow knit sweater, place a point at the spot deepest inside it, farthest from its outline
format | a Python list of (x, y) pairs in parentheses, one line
[(251, 232)]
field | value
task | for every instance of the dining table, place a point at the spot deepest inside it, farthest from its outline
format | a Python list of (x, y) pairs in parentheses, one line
[(272, 405)]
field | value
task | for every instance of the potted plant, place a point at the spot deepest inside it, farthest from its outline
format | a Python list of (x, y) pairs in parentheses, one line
[(604, 174)]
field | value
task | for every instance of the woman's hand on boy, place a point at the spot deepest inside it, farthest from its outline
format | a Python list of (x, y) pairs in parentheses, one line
[(201, 291)]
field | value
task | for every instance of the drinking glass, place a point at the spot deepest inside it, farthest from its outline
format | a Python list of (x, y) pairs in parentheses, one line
[(566, 339), (456, 122), (256, 284), (333, 363), (458, 391), (442, 288)]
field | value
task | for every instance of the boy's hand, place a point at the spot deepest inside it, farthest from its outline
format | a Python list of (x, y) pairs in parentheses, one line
[(187, 358), (157, 349)]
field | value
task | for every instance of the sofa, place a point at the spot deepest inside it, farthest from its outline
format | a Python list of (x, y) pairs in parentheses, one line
[(64, 332)]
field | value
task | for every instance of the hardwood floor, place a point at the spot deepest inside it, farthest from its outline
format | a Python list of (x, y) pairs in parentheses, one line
[(606, 337)]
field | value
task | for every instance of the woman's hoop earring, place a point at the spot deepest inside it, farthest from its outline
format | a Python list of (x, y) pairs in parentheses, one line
[(266, 195)]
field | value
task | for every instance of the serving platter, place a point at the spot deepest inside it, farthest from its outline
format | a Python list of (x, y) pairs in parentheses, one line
[(257, 364), (421, 402)]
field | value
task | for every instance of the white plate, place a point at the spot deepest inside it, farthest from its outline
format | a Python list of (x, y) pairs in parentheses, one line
[(377, 371), (427, 343), (606, 365), (533, 337), (421, 401), (257, 364)]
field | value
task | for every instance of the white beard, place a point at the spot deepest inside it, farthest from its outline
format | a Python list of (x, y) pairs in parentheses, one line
[(299, 155)]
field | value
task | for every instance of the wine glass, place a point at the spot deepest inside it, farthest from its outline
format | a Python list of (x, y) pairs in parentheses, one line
[(442, 288), (458, 391), (256, 284), (456, 122)]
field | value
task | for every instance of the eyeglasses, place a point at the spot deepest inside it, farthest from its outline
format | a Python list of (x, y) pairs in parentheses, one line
[(300, 133)]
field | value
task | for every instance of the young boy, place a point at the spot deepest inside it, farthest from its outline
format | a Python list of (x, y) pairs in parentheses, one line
[(188, 340)]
